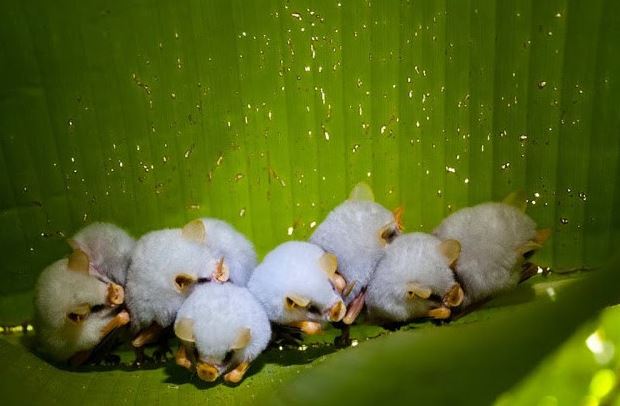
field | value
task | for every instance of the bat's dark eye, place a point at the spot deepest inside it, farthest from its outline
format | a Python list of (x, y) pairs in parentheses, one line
[(528, 254), (313, 309), (435, 297), (97, 308), (228, 356), (75, 317), (389, 234)]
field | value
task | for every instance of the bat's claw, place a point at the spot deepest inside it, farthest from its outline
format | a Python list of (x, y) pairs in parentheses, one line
[(344, 339), (112, 360), (161, 354), (528, 270), (141, 359), (285, 336), (142, 362)]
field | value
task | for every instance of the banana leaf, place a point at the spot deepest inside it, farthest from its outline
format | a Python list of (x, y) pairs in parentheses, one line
[(265, 113)]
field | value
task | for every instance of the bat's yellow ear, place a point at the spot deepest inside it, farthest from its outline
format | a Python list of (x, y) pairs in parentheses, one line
[(528, 247), (243, 339), (73, 244), (454, 296), (292, 301), (416, 290), (78, 261), (329, 264), (536, 243), (517, 199), (195, 230), (183, 282), (450, 249), (542, 235), (362, 191), (184, 330)]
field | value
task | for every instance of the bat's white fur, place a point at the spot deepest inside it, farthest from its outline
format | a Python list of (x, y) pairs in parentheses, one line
[(57, 292), (236, 248), (159, 256), (109, 249), (219, 313), (410, 258), (293, 268), (490, 234), (352, 232)]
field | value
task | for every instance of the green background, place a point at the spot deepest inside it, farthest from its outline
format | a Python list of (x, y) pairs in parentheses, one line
[(266, 113)]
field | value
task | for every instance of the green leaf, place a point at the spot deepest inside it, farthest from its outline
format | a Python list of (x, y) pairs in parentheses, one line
[(570, 375), (463, 363), (479, 357), (266, 114)]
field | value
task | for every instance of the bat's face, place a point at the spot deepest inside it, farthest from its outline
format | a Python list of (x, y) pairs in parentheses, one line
[(76, 309), (200, 269), (357, 232), (368, 219), (423, 301), (306, 307), (165, 268), (526, 250), (415, 279), (198, 263), (298, 283), (216, 352), (390, 226), (222, 329), (234, 246), (178, 258), (317, 297)]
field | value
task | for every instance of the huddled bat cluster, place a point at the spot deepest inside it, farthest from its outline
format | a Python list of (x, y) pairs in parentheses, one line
[(202, 282)]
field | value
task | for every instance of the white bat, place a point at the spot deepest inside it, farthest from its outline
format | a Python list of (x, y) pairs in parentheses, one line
[(295, 284), (222, 329)]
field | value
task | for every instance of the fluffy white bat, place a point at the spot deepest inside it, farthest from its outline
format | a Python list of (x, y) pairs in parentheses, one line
[(108, 247), (222, 329), (414, 280), (496, 241), (165, 266), (357, 232), (74, 310), (294, 283)]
